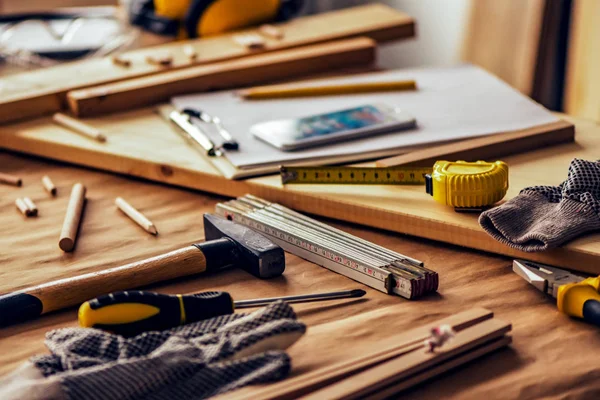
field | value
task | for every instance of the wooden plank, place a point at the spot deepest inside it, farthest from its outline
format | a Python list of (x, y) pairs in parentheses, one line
[(46, 88), (388, 349), (137, 142), (503, 37), (582, 88), (267, 67), (488, 147), (395, 370)]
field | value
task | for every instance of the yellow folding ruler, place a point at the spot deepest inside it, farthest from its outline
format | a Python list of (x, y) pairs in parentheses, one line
[(332, 248), (355, 175)]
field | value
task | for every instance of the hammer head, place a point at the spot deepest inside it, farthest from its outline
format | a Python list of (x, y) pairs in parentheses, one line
[(252, 251)]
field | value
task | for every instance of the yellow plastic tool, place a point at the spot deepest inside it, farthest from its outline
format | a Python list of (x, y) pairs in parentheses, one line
[(575, 295), (464, 184)]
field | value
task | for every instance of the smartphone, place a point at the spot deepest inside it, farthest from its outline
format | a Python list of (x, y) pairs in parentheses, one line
[(337, 126)]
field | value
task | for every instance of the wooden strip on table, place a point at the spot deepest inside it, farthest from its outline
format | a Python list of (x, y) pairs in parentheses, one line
[(363, 384), (43, 91), (310, 381), (441, 368), (227, 74), (489, 148)]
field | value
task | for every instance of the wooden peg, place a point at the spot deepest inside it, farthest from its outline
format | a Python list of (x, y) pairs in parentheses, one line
[(121, 62), (68, 235), (190, 52), (250, 41), (79, 126), (32, 208), (49, 185), (10, 179)]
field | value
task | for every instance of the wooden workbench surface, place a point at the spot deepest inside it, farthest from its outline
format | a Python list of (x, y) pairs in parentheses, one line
[(552, 355)]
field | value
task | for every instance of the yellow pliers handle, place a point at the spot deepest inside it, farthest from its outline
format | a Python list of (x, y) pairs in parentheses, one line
[(581, 300)]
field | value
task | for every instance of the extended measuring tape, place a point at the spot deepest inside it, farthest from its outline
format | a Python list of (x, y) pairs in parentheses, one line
[(355, 175), (460, 184)]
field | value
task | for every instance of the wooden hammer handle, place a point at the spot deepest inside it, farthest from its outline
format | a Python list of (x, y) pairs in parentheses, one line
[(31, 302)]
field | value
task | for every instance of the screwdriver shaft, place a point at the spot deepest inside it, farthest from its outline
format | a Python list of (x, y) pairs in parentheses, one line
[(344, 294)]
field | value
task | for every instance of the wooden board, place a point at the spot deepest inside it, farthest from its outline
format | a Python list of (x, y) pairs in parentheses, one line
[(503, 37), (582, 88), (42, 91), (142, 144), (468, 279)]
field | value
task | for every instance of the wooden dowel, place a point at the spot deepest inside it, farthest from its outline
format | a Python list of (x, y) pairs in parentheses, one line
[(10, 179), (49, 185), (22, 207), (68, 235), (33, 211), (78, 126), (251, 41), (135, 215)]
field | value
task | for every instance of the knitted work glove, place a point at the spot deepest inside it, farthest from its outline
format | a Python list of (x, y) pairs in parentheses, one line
[(543, 217), (193, 361)]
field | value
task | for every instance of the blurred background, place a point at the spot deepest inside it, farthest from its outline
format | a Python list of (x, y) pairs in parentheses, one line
[(540, 47)]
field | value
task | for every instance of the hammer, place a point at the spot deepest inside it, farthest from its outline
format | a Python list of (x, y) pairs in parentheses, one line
[(228, 245)]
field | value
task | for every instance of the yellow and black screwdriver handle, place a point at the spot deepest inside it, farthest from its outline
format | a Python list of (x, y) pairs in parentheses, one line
[(581, 299), (132, 312)]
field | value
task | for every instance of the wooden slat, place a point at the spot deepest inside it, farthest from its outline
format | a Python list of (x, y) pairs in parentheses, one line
[(389, 349), (582, 88), (503, 37), (267, 67), (488, 147), (365, 383), (41, 92)]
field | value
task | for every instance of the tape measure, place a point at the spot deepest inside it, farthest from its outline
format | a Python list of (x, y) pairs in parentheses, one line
[(354, 175), (458, 184)]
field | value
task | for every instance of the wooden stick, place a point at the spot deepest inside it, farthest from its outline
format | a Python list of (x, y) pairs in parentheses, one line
[(22, 207), (362, 384), (68, 235), (135, 215), (488, 147), (33, 211), (244, 71), (79, 127), (441, 368), (271, 31), (10, 179), (401, 344), (49, 185), (251, 41)]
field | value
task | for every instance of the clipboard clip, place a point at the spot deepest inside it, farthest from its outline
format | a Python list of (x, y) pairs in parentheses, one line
[(194, 134)]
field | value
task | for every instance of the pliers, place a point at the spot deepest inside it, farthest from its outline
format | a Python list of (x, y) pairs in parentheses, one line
[(577, 296)]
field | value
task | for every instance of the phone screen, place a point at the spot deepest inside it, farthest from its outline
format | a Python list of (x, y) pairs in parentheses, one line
[(338, 121)]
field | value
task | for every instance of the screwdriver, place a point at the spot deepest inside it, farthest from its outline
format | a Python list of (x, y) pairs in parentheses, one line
[(130, 313)]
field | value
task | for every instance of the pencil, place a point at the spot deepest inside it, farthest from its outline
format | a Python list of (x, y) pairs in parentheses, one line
[(79, 126), (10, 179), (68, 234), (286, 91), (49, 185), (135, 215)]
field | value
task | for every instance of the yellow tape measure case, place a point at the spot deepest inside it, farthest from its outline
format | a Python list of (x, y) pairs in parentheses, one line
[(468, 184)]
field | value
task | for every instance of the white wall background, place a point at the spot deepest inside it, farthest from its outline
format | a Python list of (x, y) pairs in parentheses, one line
[(440, 29)]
